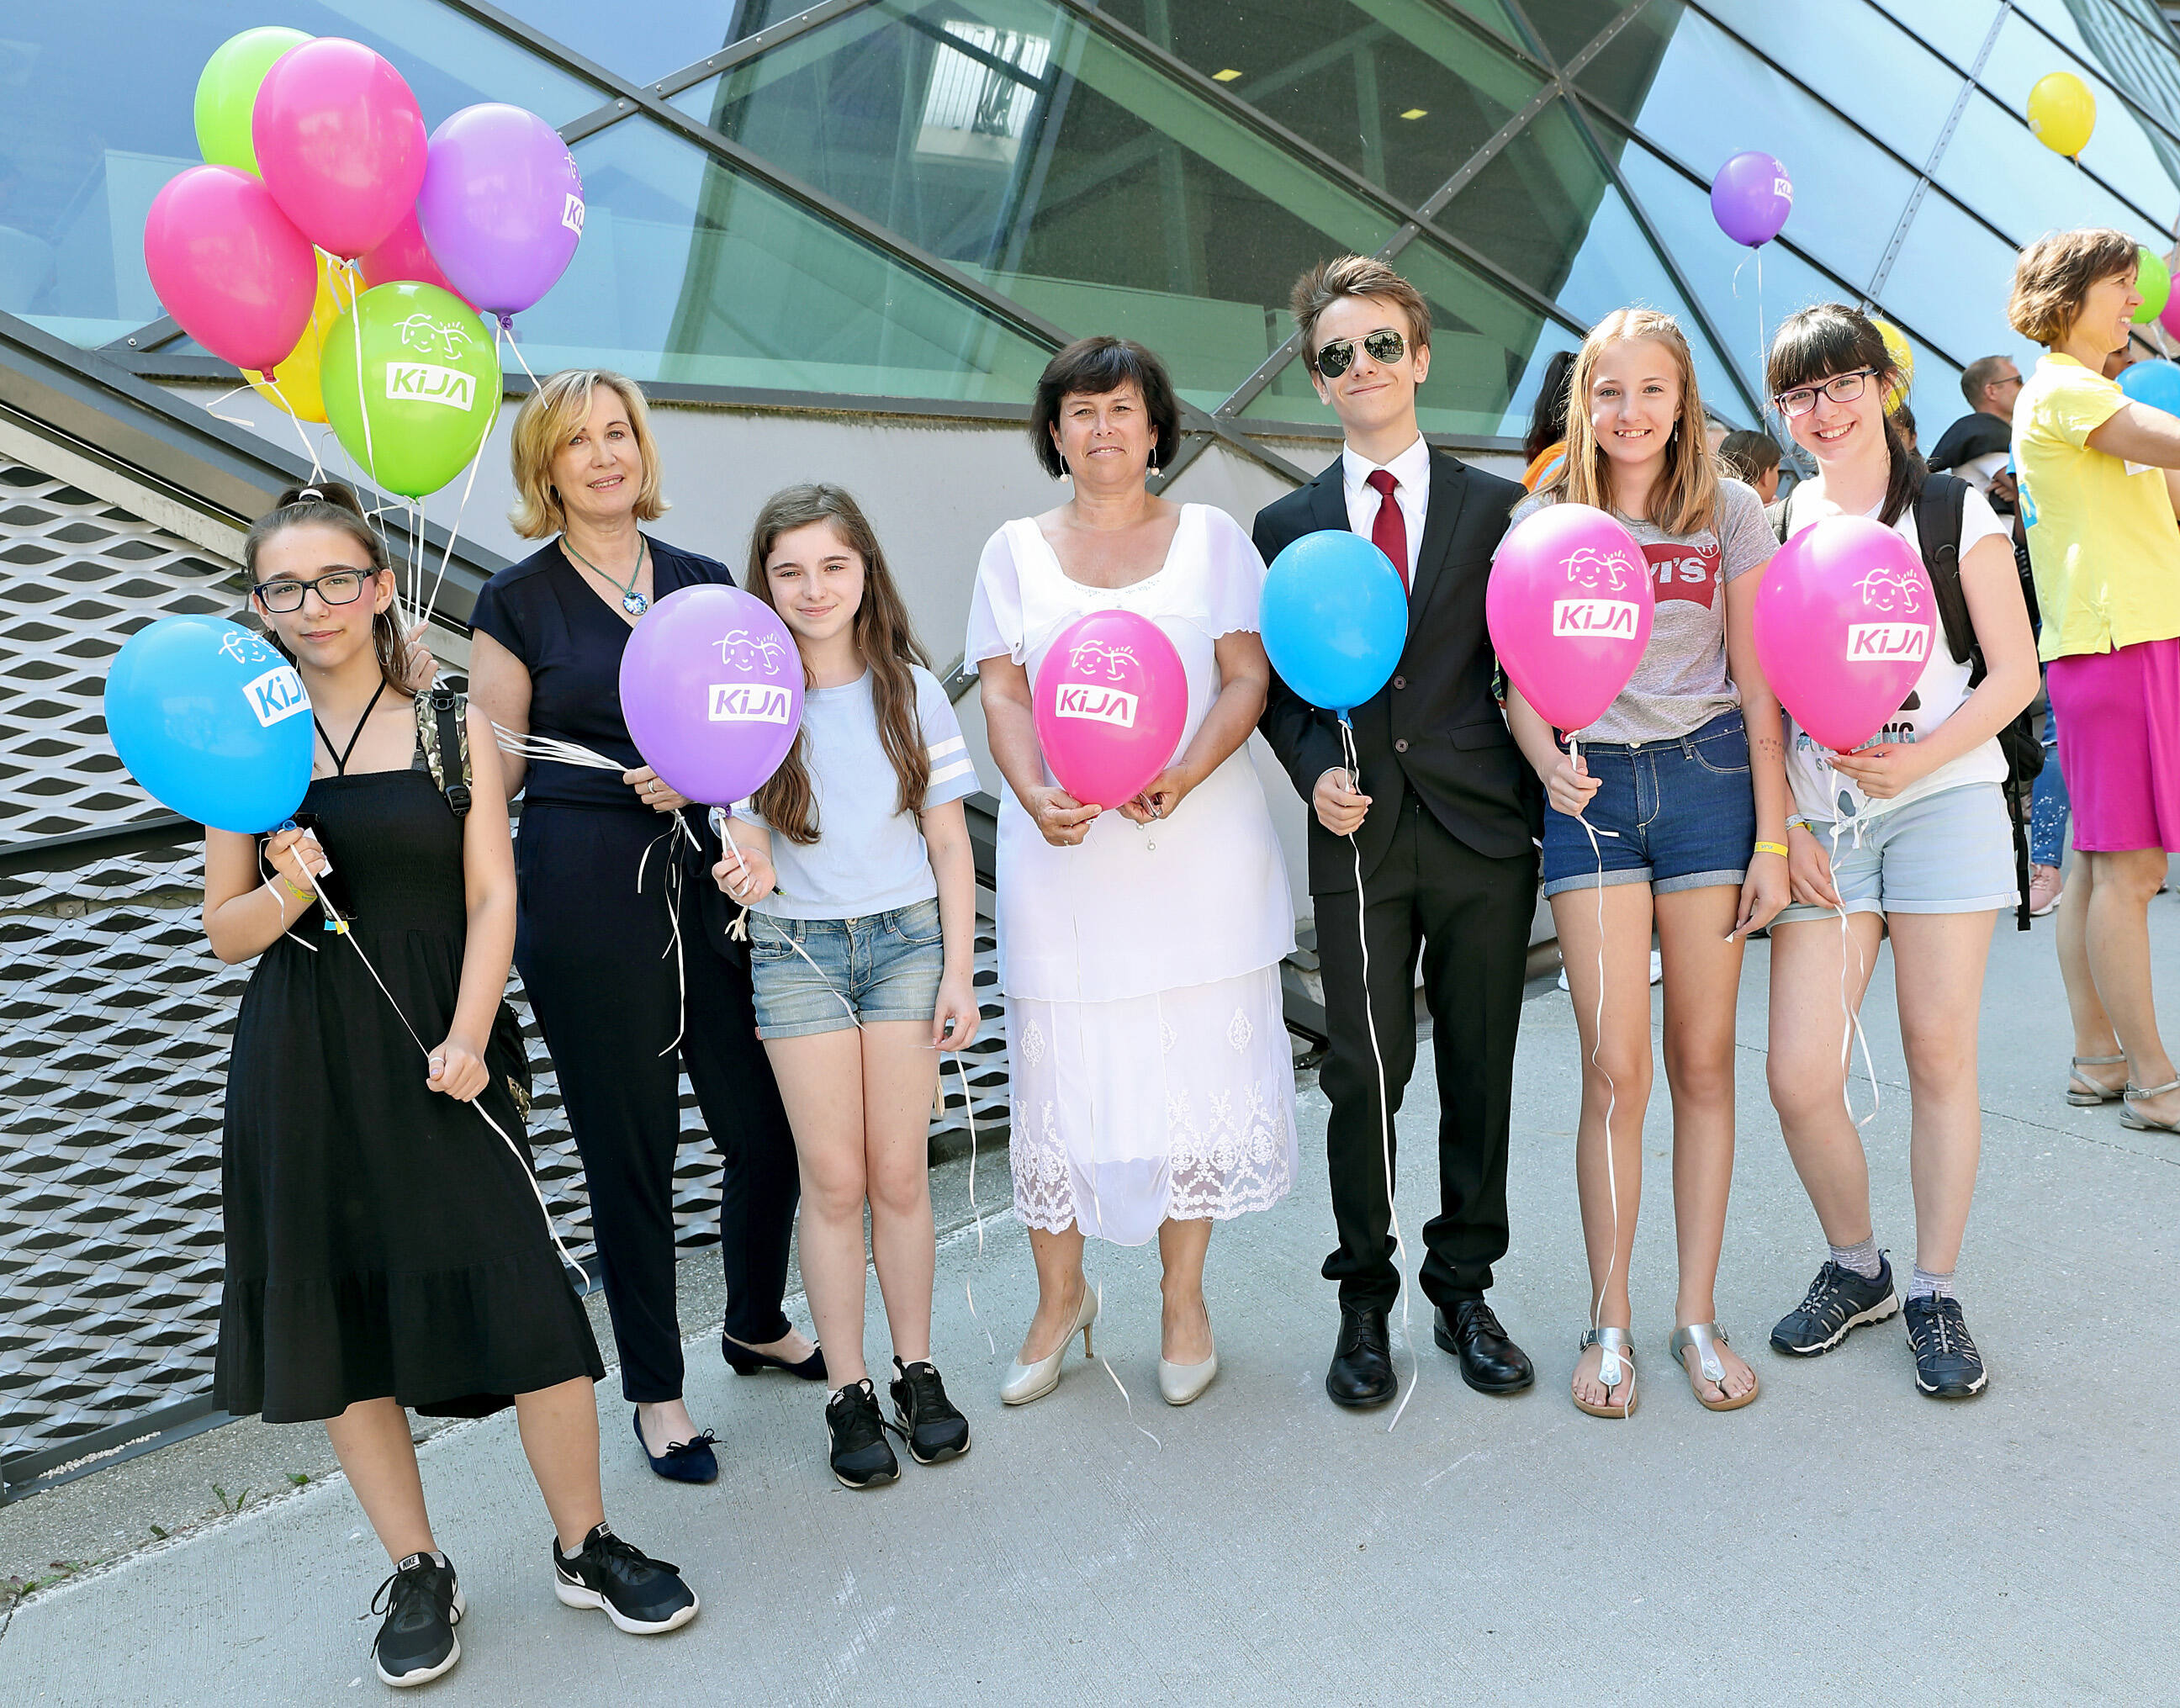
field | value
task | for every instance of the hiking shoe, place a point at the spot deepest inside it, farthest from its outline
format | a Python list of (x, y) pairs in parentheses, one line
[(935, 1429), (639, 1594), (423, 1605), (1947, 1365), (862, 1455), (1839, 1300)]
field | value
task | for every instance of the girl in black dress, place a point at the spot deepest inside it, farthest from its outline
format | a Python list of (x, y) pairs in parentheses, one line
[(385, 1246)]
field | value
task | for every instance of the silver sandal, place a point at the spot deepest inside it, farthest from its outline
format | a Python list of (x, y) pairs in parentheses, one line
[(1706, 1338), (1616, 1366), (2141, 1123), (2084, 1094)]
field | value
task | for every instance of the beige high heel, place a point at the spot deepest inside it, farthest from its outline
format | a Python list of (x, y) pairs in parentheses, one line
[(1027, 1382)]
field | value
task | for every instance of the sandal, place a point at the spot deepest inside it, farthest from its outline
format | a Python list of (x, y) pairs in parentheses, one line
[(2087, 1093), (1616, 1352), (2143, 1123), (1706, 1338)]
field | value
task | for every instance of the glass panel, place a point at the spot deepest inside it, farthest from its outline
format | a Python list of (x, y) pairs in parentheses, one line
[(674, 33), (1393, 89), (1998, 168), (1951, 277), (1017, 143), (1568, 26), (1847, 194), (93, 121), (1955, 28), (689, 274)]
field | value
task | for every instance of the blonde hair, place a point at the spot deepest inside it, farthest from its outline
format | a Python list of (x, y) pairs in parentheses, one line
[(2051, 280), (549, 417), (1355, 275), (1685, 496)]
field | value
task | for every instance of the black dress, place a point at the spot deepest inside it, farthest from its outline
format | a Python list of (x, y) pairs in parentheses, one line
[(381, 1240)]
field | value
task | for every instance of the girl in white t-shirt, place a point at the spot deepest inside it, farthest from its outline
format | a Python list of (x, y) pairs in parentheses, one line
[(855, 862), (1907, 836)]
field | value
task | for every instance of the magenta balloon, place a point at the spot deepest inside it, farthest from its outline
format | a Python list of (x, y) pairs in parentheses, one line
[(502, 206), (1751, 197), (230, 267), (1569, 608), (404, 258), (1845, 622), (341, 143), (1110, 702), (711, 685)]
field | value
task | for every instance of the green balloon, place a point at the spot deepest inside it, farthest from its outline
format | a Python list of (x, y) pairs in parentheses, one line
[(412, 385), (227, 92), (2154, 279)]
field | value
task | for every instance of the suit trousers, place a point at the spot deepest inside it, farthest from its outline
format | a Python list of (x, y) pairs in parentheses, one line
[(1467, 916), (598, 963)]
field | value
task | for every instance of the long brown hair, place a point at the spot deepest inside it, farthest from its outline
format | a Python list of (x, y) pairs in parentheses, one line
[(1821, 343), (883, 636), (1685, 496), (328, 504)]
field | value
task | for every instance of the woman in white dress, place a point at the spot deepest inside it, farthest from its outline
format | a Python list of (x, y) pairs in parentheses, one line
[(1153, 1087)]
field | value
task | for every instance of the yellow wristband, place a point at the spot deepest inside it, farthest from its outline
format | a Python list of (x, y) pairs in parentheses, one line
[(288, 884), (1778, 848)]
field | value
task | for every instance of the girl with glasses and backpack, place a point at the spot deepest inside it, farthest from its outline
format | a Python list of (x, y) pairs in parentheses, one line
[(1907, 837)]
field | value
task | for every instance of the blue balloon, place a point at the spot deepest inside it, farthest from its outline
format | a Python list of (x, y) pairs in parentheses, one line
[(1336, 617), (213, 721), (2157, 383)]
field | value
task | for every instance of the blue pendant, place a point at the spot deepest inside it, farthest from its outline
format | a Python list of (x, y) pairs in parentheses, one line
[(633, 602)]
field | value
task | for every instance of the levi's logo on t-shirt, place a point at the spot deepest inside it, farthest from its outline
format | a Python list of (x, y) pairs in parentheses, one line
[(1683, 572)]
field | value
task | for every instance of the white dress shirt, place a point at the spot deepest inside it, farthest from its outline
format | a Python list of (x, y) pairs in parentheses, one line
[(1412, 469)]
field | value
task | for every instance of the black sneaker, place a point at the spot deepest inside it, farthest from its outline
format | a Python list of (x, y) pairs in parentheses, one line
[(638, 1592), (423, 1605), (1839, 1300), (1947, 1365), (936, 1431), (862, 1455)]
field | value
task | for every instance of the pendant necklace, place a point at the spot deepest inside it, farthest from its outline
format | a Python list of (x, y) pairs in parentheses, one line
[(634, 604)]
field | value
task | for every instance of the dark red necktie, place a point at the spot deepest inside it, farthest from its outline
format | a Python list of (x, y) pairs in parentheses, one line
[(1389, 532)]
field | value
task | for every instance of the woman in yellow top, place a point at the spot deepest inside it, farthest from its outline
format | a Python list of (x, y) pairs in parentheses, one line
[(2100, 495)]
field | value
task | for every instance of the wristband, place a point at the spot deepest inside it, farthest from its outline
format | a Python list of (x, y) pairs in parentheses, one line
[(288, 885), (1778, 848)]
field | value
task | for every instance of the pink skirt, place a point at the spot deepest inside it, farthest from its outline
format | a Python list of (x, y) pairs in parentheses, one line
[(2119, 744)]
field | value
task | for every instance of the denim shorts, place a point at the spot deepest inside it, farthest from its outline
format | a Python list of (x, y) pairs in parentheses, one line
[(1950, 852), (1682, 811), (881, 966)]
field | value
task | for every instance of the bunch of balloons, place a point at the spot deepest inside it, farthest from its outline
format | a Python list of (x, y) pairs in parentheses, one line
[(339, 256)]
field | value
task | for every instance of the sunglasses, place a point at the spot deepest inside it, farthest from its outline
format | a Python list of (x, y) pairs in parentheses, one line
[(1843, 388), (338, 587), (1384, 347)]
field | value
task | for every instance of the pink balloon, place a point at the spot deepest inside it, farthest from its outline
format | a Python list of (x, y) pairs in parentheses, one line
[(341, 143), (1569, 608), (1845, 622), (230, 267), (404, 258), (711, 685), (2169, 316), (1111, 701)]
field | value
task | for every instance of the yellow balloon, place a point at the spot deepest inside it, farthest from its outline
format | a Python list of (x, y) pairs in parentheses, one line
[(2062, 112), (1903, 358), (298, 376)]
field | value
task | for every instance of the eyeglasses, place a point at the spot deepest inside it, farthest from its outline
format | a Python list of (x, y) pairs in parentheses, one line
[(1843, 388), (1334, 359), (337, 587)]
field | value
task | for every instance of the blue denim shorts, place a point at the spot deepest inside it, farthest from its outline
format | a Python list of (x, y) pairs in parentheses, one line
[(1683, 811), (881, 966), (1950, 852)]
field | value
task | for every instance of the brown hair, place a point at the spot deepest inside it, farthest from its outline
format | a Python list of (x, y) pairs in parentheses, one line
[(1818, 344), (883, 636), (328, 504), (1354, 275), (2051, 280), (1685, 496), (548, 419), (1748, 455), (1098, 367)]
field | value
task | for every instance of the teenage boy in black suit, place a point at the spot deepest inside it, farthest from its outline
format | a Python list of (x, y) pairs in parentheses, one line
[(1442, 818)]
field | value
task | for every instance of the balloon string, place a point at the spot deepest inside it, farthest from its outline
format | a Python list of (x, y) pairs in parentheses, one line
[(525, 746), (345, 272), (969, 1112), (1851, 1033), (432, 601)]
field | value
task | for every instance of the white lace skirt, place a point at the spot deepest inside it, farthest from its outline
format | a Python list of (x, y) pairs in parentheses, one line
[(1178, 1105)]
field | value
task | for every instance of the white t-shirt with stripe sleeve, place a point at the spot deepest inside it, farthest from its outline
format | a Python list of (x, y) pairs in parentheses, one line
[(869, 856)]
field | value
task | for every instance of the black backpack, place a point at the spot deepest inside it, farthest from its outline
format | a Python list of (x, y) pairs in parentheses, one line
[(1938, 511)]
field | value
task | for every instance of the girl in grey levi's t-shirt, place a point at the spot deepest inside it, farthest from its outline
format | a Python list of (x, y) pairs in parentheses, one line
[(1681, 682)]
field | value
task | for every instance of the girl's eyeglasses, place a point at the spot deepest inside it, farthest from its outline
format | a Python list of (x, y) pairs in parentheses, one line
[(1384, 346), (337, 587), (1843, 388)]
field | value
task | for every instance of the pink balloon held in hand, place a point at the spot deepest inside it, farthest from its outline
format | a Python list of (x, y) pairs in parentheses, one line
[(1111, 701), (1845, 622), (341, 142), (502, 206), (229, 266), (1569, 607)]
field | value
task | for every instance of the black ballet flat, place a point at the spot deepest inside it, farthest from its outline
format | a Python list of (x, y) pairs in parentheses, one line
[(683, 1462), (747, 1362)]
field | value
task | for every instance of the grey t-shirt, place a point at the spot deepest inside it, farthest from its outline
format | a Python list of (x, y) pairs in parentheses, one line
[(1681, 683), (869, 856)]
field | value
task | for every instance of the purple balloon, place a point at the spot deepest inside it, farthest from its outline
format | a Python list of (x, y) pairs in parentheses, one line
[(502, 206), (711, 685), (1750, 198)]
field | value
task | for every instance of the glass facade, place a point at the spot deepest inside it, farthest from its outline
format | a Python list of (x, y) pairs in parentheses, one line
[(919, 199)]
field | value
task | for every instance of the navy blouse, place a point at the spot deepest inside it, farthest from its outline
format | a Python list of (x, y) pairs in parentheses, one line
[(544, 612)]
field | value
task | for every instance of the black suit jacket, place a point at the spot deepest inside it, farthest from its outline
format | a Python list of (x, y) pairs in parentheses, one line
[(1435, 729)]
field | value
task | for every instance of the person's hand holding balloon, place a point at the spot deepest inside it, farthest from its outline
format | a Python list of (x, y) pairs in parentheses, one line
[(1340, 807), (293, 853), (1061, 820), (1569, 786), (1884, 770), (1160, 796), (457, 1069)]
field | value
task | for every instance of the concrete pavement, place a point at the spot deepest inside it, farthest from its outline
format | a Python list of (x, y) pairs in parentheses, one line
[(1841, 1540)]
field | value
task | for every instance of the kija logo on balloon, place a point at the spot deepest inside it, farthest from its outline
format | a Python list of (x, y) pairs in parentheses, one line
[(1782, 188), (1881, 644), (750, 702), (424, 382), (1606, 572), (571, 214), (741, 650), (277, 694), (1605, 617), (1096, 705)]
